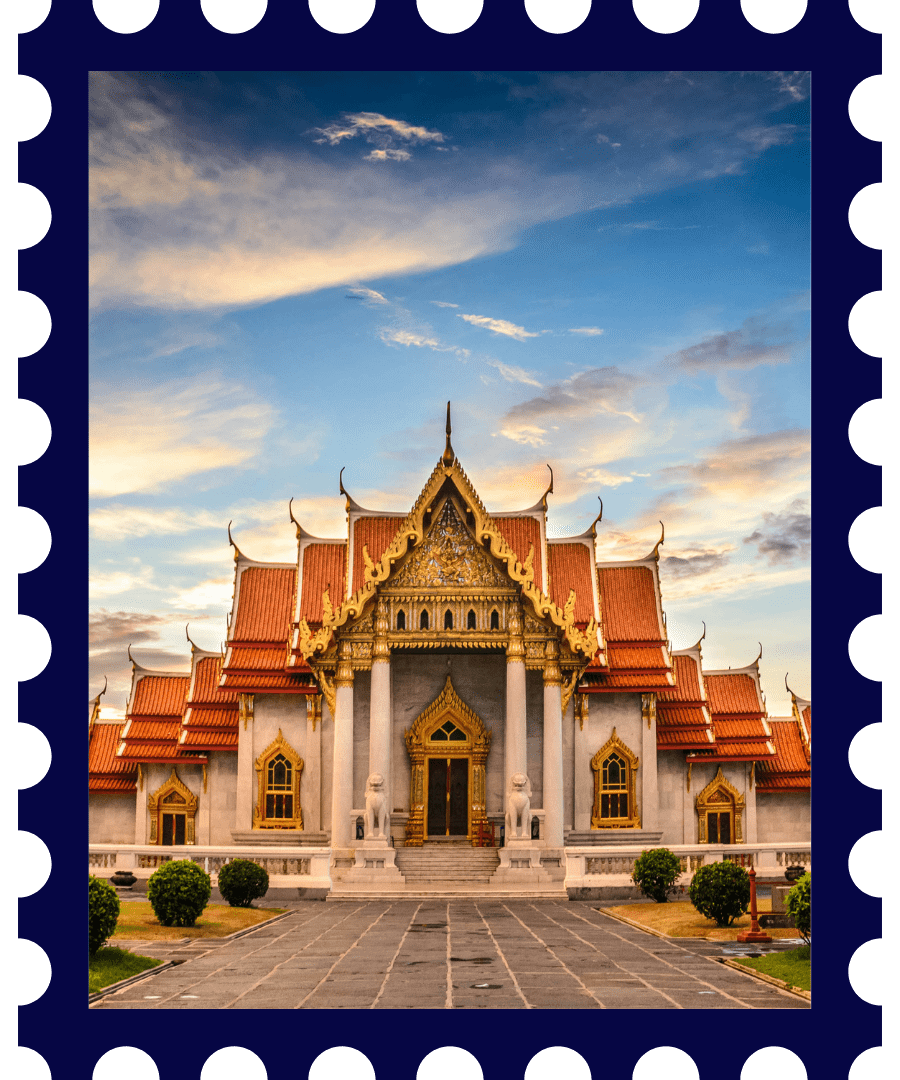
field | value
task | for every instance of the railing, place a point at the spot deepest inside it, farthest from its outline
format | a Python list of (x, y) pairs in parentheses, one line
[(591, 867), (307, 867)]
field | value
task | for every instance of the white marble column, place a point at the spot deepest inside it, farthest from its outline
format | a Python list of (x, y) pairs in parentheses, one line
[(202, 819), (689, 790), (140, 808), (750, 830), (380, 703), (244, 794), (311, 781), (583, 794), (514, 741), (649, 785), (553, 764), (342, 773)]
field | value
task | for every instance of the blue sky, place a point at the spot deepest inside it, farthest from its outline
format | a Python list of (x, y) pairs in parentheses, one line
[(606, 271)]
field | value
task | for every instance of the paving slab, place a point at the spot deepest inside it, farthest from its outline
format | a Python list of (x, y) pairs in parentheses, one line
[(461, 954)]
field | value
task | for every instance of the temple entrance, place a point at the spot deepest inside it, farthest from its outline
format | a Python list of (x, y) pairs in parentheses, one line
[(172, 828), (448, 797)]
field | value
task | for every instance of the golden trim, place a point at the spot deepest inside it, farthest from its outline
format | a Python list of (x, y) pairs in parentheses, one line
[(344, 674), (689, 765), (581, 709), (140, 777), (476, 747), (245, 708), (706, 803), (552, 672), (752, 774), (314, 709), (568, 688), (204, 779), (648, 708), (633, 821), (188, 807), (279, 745), (326, 684)]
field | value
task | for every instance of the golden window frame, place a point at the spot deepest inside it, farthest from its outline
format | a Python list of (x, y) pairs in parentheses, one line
[(615, 745), (188, 807), (719, 795), (279, 745)]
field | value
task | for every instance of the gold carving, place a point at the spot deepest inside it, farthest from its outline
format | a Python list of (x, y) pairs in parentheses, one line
[(245, 708), (568, 688), (552, 673), (515, 648), (370, 565), (447, 705), (380, 649), (140, 777), (344, 674), (204, 779), (631, 820), (326, 683), (648, 709), (314, 709), (173, 797), (448, 556), (327, 609), (294, 763), (719, 795), (581, 709)]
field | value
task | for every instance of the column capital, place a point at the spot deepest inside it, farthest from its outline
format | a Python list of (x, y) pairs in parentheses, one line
[(515, 647), (552, 672), (344, 674), (381, 652)]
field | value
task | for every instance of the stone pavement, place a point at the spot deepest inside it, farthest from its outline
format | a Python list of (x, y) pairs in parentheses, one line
[(440, 954)]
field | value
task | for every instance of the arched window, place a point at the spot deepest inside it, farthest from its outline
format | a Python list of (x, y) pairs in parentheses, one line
[(423, 620), (448, 620), (495, 620), (720, 809), (615, 806), (278, 770), (470, 619), (401, 620), (172, 811)]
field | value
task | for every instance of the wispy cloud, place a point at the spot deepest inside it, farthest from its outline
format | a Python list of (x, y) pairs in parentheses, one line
[(387, 155), (369, 296), (443, 303), (500, 326), (393, 335), (608, 140), (586, 331), (783, 536), (514, 374), (757, 342), (118, 521), (115, 582), (212, 593), (604, 477), (187, 427), (374, 127)]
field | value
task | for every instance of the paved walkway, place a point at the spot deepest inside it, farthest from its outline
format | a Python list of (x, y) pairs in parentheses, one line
[(439, 954)]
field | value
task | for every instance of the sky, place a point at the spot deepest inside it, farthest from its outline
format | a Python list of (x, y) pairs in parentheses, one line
[(606, 272)]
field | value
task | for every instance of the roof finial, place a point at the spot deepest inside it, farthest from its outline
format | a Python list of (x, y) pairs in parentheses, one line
[(102, 692), (291, 512), (702, 636), (757, 660), (661, 540), (131, 658), (237, 550), (448, 456), (341, 487), (188, 636)]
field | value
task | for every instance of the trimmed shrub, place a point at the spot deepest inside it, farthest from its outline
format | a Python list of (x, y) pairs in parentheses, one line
[(721, 891), (655, 872), (242, 881), (798, 904), (178, 892), (103, 912)]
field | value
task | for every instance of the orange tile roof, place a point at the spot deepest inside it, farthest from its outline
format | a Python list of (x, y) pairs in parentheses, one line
[(739, 729), (789, 770), (739, 750), (151, 728), (211, 713), (732, 695), (570, 567), (207, 672), (168, 751), (807, 716), (200, 739), (268, 683), (323, 564), (682, 715), (687, 681), (628, 604), (633, 682), (253, 659), (263, 611), (160, 695), (681, 739), (106, 772), (520, 533), (652, 659), (211, 717), (375, 534)]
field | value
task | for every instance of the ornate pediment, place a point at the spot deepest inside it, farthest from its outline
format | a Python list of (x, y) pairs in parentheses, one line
[(449, 556)]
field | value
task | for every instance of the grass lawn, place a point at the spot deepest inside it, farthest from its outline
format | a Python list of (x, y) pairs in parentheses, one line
[(137, 922), (793, 966), (108, 965), (681, 919)]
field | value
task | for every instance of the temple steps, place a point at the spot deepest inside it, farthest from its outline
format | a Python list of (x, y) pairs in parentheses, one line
[(447, 865), (473, 892)]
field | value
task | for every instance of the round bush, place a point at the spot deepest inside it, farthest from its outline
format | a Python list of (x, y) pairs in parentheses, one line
[(241, 882), (655, 872), (178, 892), (103, 912), (798, 905), (721, 891)]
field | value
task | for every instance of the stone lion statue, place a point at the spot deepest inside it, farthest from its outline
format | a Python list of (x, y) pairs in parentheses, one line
[(518, 808), (377, 820)]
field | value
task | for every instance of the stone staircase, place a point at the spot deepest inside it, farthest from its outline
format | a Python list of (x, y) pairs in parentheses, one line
[(443, 870)]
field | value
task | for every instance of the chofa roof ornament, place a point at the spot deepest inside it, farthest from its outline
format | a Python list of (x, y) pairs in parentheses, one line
[(237, 550), (448, 456)]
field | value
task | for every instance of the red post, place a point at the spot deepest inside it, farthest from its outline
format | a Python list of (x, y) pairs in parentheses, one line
[(754, 933)]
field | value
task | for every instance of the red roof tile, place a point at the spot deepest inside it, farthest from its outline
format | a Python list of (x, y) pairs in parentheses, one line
[(628, 604), (739, 729), (207, 717), (687, 681), (807, 717), (682, 715), (520, 533), (265, 594), (629, 659), (789, 770), (151, 729), (323, 565), (200, 739), (160, 695), (106, 772), (205, 689), (732, 695), (271, 683), (570, 567), (747, 750), (635, 682), (683, 740), (375, 534), (252, 659)]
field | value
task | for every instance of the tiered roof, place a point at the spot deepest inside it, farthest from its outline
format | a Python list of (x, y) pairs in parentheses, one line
[(789, 770), (740, 727), (683, 718), (107, 774), (210, 720), (153, 717)]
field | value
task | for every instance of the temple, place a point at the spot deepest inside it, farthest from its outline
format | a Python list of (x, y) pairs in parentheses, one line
[(452, 684)]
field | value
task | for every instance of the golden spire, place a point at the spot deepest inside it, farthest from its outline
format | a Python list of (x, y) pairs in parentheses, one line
[(448, 456), (237, 550)]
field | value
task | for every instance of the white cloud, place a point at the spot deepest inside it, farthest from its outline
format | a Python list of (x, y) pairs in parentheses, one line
[(145, 440), (369, 295), (213, 593), (116, 521), (587, 331), (527, 434), (511, 373), (604, 477), (443, 303), (114, 582), (388, 155), (376, 127), (408, 337), (500, 326), (606, 139)]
